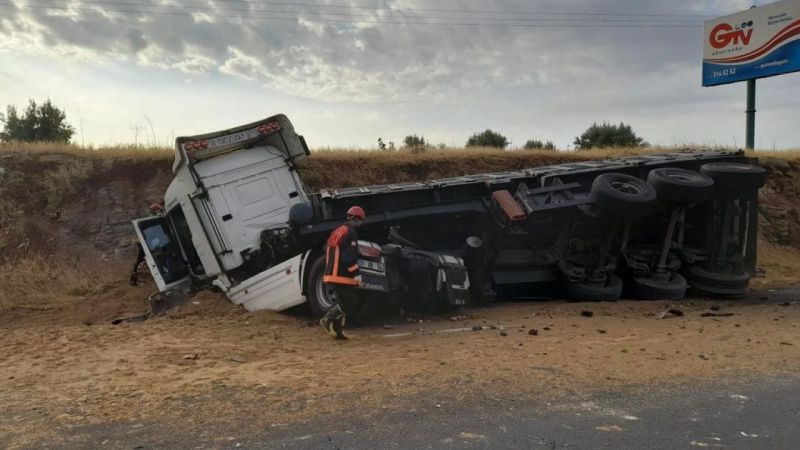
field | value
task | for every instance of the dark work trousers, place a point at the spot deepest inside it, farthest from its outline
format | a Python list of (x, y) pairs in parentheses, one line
[(139, 259)]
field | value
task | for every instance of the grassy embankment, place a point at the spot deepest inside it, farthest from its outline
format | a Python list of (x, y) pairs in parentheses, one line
[(35, 280)]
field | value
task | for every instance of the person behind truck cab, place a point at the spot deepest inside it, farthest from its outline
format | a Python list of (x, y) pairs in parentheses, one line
[(156, 209), (341, 269)]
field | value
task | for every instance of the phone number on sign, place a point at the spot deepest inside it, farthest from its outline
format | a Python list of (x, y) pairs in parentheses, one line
[(723, 73)]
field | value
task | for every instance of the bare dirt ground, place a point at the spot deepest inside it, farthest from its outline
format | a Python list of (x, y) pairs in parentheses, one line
[(209, 363)]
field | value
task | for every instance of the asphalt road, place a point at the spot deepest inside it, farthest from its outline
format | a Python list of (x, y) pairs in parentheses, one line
[(758, 414)]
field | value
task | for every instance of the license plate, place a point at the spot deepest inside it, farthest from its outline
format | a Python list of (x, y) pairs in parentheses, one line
[(371, 265)]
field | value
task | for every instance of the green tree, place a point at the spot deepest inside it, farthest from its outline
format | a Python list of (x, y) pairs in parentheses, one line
[(413, 140), (44, 122), (536, 144), (607, 135), (487, 138)]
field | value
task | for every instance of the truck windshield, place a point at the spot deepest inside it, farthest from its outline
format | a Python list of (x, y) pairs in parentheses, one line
[(165, 252)]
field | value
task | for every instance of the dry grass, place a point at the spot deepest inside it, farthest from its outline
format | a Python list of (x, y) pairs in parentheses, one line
[(33, 282), (130, 152), (781, 262), (116, 152)]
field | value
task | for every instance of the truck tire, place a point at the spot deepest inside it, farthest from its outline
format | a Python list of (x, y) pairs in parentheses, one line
[(621, 194), (717, 283), (321, 298), (681, 186), (651, 288), (735, 176), (612, 290)]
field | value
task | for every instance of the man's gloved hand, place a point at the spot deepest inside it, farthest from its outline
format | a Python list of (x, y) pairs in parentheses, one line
[(358, 280)]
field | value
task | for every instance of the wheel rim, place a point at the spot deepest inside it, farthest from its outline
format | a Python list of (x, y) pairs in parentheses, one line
[(325, 295), (626, 187), (733, 167), (682, 176)]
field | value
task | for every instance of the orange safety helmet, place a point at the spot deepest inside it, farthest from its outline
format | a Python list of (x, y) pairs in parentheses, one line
[(356, 211)]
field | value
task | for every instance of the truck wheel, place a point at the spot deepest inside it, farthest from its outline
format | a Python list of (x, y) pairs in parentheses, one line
[(735, 176), (681, 186), (653, 288), (321, 297), (612, 290), (717, 283), (618, 193)]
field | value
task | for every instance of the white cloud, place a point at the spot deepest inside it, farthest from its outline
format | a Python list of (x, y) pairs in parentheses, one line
[(547, 82)]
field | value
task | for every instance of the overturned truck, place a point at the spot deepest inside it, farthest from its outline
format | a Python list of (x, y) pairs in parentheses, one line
[(239, 219)]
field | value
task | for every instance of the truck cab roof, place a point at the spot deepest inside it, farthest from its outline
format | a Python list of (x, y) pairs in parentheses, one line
[(275, 131)]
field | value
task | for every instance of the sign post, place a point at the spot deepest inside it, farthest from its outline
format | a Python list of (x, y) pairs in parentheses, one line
[(757, 43), (750, 113)]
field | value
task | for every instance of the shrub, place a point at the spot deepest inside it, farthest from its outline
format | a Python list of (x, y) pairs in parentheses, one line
[(535, 144), (607, 135), (487, 138), (413, 140), (39, 123)]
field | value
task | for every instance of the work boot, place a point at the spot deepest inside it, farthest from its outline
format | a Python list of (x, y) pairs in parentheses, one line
[(338, 327), (327, 325), (333, 322)]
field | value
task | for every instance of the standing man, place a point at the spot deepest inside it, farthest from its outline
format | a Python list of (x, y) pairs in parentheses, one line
[(156, 209), (341, 269)]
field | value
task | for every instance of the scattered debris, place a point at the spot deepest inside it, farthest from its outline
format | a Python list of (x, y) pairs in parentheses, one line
[(503, 333), (191, 356), (608, 428), (786, 303), (534, 332), (238, 359), (546, 328), (748, 435), (714, 307), (703, 356), (477, 328), (467, 435), (785, 343), (131, 318), (715, 313), (601, 331), (387, 327), (586, 313), (163, 301), (458, 318), (672, 312)]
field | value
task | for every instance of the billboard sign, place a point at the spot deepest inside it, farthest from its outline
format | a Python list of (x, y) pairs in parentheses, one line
[(760, 42)]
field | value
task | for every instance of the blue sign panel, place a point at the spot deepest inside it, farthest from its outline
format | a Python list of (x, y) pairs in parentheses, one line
[(760, 42)]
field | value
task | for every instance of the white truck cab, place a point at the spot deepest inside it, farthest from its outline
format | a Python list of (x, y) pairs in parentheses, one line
[(230, 188)]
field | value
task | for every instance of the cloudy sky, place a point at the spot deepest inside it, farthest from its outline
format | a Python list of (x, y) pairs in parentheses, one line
[(349, 71)]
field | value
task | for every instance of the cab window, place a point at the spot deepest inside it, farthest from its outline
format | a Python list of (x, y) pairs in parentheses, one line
[(164, 250)]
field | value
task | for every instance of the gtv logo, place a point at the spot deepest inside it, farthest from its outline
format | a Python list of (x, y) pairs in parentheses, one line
[(724, 35)]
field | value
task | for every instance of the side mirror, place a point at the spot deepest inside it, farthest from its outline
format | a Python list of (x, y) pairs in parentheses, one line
[(301, 214)]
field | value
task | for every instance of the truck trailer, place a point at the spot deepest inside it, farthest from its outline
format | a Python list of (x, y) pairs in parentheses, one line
[(239, 219)]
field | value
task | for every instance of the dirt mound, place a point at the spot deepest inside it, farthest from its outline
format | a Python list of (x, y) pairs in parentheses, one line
[(779, 203)]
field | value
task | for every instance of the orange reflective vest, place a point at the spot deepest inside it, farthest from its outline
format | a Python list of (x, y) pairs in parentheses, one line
[(341, 256)]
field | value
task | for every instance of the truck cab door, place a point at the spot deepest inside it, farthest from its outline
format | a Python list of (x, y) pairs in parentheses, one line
[(162, 253)]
